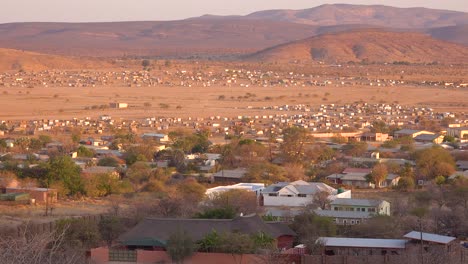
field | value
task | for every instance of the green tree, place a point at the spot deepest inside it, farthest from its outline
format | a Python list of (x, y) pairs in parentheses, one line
[(108, 161), (263, 241), (210, 242), (35, 144), (180, 246), (433, 162), (449, 139), (138, 153), (85, 152), (405, 184), (105, 184), (138, 174), (63, 169), (217, 213)]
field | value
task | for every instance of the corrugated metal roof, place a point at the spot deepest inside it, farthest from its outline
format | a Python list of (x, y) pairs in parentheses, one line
[(362, 242), (237, 173), (355, 202), (343, 214), (429, 237), (300, 187)]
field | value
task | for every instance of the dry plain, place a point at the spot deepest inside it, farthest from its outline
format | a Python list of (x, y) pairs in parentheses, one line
[(65, 102), (21, 103)]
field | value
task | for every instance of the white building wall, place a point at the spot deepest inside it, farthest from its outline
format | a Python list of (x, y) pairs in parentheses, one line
[(345, 194), (286, 201), (297, 201)]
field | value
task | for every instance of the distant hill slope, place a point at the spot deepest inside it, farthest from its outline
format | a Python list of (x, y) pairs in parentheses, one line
[(457, 34), (203, 35), (211, 35), (376, 15), (31, 61), (371, 45)]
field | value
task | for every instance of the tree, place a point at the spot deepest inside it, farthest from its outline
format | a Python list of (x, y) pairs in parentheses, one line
[(379, 127), (63, 169), (192, 190), (108, 161), (263, 241), (321, 199), (378, 175), (265, 172), (217, 213), (110, 227), (80, 233), (105, 184), (145, 63), (40, 248), (138, 174), (210, 242), (295, 140), (355, 148), (85, 152), (309, 227), (180, 246), (381, 226), (138, 153), (231, 203), (433, 162), (405, 184)]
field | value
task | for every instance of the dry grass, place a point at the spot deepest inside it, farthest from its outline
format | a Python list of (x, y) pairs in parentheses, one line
[(204, 102)]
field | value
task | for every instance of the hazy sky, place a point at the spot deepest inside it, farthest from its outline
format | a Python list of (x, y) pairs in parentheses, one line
[(124, 10)]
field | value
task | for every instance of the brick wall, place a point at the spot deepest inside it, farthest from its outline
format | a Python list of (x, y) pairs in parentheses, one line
[(459, 258)]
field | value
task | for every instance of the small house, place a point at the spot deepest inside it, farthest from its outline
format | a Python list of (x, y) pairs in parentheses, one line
[(40, 195), (361, 246), (374, 207)]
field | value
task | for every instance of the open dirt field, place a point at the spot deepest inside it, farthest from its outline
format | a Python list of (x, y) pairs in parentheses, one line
[(40, 102)]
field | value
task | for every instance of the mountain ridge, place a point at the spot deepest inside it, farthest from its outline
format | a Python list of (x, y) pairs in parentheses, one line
[(213, 35), (365, 45)]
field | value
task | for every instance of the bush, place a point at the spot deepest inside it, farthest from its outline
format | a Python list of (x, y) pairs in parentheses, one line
[(405, 184)]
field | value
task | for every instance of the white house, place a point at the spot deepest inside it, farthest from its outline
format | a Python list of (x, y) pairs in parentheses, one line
[(162, 138), (253, 187), (298, 193), (375, 207)]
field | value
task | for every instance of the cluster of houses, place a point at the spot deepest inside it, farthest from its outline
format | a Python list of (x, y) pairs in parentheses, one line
[(147, 242), (195, 78), (284, 200), (351, 121)]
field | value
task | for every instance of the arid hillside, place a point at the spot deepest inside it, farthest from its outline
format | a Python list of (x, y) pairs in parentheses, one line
[(370, 45), (31, 61), (213, 36), (171, 38), (377, 15), (457, 34)]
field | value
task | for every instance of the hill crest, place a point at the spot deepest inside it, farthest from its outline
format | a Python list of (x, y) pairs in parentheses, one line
[(365, 45)]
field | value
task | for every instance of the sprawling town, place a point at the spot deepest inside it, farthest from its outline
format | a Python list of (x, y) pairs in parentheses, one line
[(303, 183), (335, 134)]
